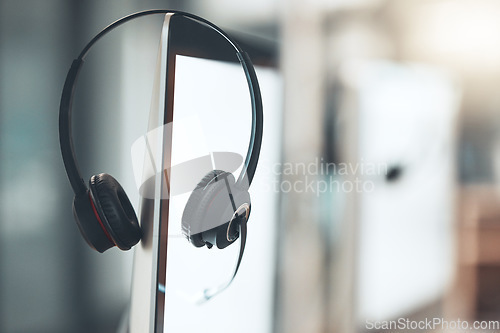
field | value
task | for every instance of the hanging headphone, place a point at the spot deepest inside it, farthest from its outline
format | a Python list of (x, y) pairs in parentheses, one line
[(217, 210)]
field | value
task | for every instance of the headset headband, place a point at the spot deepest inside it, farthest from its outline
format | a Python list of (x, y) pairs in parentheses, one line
[(65, 109)]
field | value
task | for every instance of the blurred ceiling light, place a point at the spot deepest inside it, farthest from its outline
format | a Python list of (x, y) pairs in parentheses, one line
[(257, 11), (460, 33), (347, 4), (249, 12)]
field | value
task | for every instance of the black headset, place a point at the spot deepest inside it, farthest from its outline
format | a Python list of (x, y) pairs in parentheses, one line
[(217, 210)]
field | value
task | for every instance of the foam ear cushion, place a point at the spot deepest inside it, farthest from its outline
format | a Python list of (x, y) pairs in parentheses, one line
[(88, 224), (115, 210), (198, 202)]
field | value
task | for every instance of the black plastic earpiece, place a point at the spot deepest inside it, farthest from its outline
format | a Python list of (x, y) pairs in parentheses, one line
[(105, 215), (115, 210), (92, 230)]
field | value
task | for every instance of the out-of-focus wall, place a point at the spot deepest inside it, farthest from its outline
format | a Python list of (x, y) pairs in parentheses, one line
[(50, 280), (41, 260)]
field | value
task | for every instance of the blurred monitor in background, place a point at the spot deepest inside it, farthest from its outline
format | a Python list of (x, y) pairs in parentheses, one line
[(406, 124)]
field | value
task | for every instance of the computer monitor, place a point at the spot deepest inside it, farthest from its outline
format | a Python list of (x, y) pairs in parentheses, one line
[(201, 108)]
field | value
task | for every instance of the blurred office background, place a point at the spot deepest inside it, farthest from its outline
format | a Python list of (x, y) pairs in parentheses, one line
[(403, 93)]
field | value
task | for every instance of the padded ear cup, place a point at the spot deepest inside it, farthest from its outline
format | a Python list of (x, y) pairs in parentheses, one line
[(208, 211), (190, 217), (91, 229), (115, 210)]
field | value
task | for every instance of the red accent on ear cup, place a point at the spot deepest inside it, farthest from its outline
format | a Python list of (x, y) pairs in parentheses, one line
[(99, 219), (115, 210), (87, 221)]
